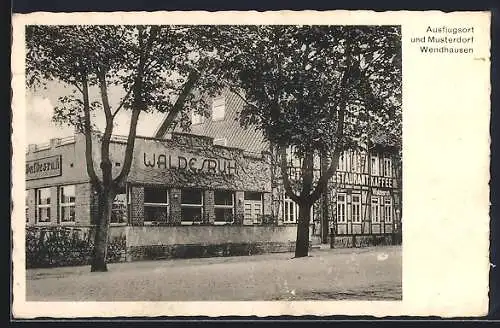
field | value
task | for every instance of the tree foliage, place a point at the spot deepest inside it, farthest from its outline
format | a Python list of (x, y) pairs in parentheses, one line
[(156, 68), (318, 90)]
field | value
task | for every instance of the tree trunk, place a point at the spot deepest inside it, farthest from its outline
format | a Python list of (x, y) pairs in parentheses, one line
[(302, 243), (101, 234)]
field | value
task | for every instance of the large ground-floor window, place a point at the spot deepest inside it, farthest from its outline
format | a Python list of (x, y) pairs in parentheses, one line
[(43, 203), (375, 210), (155, 205), (388, 210), (224, 206), (341, 208), (67, 195), (356, 208), (191, 206), (119, 207), (290, 210)]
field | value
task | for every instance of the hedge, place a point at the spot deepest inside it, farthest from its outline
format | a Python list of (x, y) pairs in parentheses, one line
[(60, 246)]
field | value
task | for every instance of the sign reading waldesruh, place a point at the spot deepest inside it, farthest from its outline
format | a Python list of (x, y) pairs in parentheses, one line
[(43, 167), (191, 163), (363, 179)]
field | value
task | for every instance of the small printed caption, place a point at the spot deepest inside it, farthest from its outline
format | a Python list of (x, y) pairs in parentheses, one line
[(446, 40)]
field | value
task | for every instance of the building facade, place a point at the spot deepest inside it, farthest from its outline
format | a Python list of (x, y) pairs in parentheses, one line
[(182, 180), (364, 196)]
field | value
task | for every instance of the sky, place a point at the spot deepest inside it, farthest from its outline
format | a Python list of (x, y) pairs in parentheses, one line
[(40, 108)]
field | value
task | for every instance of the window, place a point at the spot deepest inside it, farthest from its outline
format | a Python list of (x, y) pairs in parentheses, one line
[(224, 206), (220, 141), (119, 207), (363, 159), (388, 210), (26, 205), (218, 108), (291, 210), (155, 205), (341, 208), (43, 205), (197, 118), (342, 165), (253, 206), (191, 205), (387, 167), (67, 203), (375, 210), (374, 165), (356, 208), (356, 162)]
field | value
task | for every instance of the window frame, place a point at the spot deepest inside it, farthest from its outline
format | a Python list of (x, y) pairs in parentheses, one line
[(341, 206), (156, 205), (218, 102), (356, 205), (375, 209), (225, 207), (253, 201), (288, 204), (374, 168), (197, 119), (224, 144), (387, 167), (126, 201), (183, 205), (66, 204), (388, 208), (41, 206)]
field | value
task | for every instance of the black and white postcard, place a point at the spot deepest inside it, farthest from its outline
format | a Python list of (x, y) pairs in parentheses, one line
[(246, 163)]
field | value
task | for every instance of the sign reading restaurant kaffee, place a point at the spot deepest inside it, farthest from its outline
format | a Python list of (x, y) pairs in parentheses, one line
[(43, 168)]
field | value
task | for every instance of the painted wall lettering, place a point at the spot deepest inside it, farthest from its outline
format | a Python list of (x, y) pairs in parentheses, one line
[(361, 179), (43, 168), (193, 164)]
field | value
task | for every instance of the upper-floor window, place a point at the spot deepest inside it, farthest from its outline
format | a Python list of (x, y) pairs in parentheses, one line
[(356, 162), (218, 108), (387, 167), (67, 203), (197, 118), (344, 161), (374, 165), (220, 141), (43, 203)]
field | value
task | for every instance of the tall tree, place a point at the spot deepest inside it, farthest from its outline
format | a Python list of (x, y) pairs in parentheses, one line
[(154, 68), (316, 90)]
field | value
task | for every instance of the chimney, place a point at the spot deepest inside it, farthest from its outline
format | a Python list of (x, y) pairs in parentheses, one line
[(31, 148)]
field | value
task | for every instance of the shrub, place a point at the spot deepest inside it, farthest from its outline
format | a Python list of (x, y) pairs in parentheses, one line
[(61, 246)]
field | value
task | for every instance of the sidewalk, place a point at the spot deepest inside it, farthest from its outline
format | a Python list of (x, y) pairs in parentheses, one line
[(351, 273)]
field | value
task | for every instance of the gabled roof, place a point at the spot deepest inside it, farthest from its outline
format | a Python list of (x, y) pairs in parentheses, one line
[(249, 139)]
